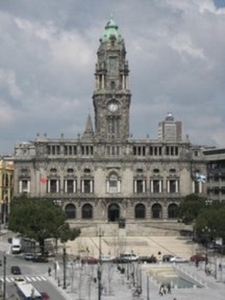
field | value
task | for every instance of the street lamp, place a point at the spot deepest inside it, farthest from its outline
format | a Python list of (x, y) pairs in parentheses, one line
[(206, 231), (64, 266), (4, 277), (100, 234)]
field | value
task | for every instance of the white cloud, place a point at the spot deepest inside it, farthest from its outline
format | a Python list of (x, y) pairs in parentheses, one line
[(48, 51), (8, 80)]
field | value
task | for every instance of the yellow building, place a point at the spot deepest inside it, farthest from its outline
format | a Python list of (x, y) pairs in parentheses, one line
[(6, 187)]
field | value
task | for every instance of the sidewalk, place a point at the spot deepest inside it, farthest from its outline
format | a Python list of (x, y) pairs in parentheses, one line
[(80, 282)]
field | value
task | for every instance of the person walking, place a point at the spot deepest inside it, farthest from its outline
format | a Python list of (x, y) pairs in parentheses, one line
[(49, 271), (169, 288)]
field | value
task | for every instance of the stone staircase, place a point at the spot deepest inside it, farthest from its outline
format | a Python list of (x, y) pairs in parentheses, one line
[(135, 229), (161, 271)]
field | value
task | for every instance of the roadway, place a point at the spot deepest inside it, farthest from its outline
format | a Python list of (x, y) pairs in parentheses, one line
[(34, 273)]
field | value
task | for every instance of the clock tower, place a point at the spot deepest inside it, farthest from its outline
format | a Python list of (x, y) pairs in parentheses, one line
[(111, 98)]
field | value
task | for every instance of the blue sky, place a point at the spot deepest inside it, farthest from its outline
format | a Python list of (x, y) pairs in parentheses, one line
[(48, 51)]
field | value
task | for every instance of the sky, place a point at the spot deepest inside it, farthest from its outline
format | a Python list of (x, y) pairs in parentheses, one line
[(175, 50)]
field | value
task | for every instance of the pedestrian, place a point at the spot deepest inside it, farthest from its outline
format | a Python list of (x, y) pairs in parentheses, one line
[(197, 263), (164, 290), (169, 288), (161, 289), (49, 271)]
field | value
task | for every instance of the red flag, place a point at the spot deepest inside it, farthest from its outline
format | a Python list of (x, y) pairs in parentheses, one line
[(43, 179)]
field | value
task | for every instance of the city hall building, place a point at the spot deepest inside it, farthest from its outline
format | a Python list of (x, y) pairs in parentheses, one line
[(105, 173)]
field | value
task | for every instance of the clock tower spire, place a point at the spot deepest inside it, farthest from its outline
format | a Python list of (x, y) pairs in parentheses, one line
[(111, 98)]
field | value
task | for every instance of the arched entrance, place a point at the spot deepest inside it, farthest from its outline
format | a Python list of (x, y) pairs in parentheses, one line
[(172, 211), (113, 212), (70, 211), (139, 211), (87, 211), (156, 211)]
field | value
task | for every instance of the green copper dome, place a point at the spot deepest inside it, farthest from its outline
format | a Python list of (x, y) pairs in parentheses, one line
[(111, 29)]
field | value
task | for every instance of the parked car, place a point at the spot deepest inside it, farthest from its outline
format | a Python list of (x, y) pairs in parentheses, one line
[(178, 259), (147, 259), (28, 256), (44, 296), (120, 260), (40, 259), (198, 258), (19, 280), (89, 260), (15, 270), (167, 257), (129, 256), (106, 258)]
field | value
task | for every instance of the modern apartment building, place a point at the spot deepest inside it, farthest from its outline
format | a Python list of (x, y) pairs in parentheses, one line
[(215, 161)]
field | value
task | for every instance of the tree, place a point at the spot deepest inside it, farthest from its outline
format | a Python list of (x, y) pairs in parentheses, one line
[(39, 219), (212, 218), (190, 207)]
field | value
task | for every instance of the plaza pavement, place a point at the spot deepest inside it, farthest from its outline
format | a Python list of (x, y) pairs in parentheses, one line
[(213, 286), (80, 283)]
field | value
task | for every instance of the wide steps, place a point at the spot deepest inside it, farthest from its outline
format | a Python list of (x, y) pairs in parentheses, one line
[(130, 230), (161, 270)]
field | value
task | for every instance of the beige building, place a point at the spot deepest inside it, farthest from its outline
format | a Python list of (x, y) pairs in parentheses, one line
[(6, 187), (105, 173), (169, 129)]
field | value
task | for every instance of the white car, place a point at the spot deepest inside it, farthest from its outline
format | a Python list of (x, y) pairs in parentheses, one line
[(129, 256), (106, 258), (19, 280), (178, 259)]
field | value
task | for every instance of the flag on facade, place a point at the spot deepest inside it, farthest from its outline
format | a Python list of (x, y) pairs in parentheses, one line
[(43, 179), (200, 177)]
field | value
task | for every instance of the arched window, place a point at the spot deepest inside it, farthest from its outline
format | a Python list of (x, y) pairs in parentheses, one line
[(113, 184), (112, 85), (113, 212), (172, 211), (87, 211), (156, 211), (70, 211), (140, 211)]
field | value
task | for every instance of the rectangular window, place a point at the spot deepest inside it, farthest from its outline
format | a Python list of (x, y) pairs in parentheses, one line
[(24, 186), (139, 186), (172, 184), (70, 186), (87, 186), (53, 186), (156, 186), (113, 186)]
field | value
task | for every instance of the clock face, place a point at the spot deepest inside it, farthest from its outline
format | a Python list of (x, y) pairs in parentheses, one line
[(113, 106)]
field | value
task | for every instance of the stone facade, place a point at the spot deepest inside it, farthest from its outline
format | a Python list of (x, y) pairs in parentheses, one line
[(106, 174), (6, 187)]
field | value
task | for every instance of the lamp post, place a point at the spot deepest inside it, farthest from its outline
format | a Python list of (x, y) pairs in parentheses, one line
[(206, 232), (64, 266), (148, 296), (4, 276), (100, 234)]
